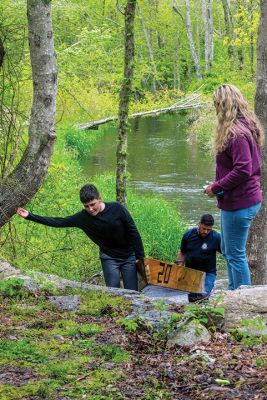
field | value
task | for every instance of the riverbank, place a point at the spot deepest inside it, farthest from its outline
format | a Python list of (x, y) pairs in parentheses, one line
[(68, 252)]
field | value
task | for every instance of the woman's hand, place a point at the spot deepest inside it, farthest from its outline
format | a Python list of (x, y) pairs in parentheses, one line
[(209, 192), (22, 213)]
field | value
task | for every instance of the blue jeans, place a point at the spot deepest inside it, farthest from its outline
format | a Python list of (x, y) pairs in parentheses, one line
[(113, 268), (234, 233), (209, 282)]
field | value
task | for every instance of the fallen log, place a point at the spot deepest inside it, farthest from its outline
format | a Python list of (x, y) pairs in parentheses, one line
[(185, 104)]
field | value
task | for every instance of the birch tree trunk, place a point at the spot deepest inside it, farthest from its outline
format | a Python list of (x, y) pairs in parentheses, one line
[(17, 188), (228, 25), (210, 27), (257, 243), (150, 51), (206, 36), (191, 41), (124, 102)]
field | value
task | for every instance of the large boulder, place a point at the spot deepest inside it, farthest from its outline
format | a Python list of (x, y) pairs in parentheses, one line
[(188, 334), (243, 304)]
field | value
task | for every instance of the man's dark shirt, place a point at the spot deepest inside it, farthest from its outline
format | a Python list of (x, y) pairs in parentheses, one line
[(112, 229), (200, 252)]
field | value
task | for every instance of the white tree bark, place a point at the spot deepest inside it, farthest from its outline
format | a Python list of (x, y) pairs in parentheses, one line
[(20, 186), (228, 25), (210, 26), (150, 51), (208, 33), (257, 243), (191, 40)]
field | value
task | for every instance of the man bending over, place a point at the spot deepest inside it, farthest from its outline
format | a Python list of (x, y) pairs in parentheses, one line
[(111, 227)]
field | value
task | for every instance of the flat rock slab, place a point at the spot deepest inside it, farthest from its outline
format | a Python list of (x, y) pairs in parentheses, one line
[(168, 296)]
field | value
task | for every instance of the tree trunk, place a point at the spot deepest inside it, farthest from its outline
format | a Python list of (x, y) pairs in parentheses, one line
[(19, 186), (210, 25), (251, 48), (124, 101), (2, 52), (191, 41), (150, 52), (257, 243), (208, 30), (228, 25)]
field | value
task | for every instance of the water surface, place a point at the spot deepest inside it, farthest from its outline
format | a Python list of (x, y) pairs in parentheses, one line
[(162, 161)]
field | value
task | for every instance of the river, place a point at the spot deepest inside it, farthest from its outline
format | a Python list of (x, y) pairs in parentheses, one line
[(163, 161)]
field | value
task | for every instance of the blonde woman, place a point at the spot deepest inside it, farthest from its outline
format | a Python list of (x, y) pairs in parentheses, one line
[(238, 141)]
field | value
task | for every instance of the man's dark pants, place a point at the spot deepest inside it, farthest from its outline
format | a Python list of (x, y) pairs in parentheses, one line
[(113, 268)]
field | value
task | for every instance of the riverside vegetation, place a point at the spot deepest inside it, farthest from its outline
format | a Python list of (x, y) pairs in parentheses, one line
[(68, 252)]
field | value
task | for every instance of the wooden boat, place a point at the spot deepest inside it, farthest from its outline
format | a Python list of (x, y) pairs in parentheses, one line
[(165, 274)]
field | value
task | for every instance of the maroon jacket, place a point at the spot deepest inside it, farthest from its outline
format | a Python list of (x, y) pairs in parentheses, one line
[(238, 170)]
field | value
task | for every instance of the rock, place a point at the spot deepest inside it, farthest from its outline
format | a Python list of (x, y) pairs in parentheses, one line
[(7, 270), (59, 337), (202, 356), (167, 295), (66, 303), (256, 330), (28, 283), (244, 303), (154, 319), (188, 334)]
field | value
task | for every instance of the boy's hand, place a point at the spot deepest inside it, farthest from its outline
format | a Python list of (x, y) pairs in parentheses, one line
[(22, 213)]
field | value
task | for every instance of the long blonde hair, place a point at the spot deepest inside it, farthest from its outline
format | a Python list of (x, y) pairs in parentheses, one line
[(230, 104)]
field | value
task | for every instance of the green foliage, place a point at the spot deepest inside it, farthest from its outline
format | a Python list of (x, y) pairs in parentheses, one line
[(21, 350), (260, 362), (60, 371), (46, 286), (106, 304), (206, 313), (130, 325), (82, 141), (160, 306), (250, 332), (111, 352), (72, 328), (11, 287), (134, 324)]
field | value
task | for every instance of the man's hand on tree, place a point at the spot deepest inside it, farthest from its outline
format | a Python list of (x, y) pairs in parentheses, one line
[(22, 213)]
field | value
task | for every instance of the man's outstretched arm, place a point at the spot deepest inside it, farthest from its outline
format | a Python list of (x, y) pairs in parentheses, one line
[(56, 222)]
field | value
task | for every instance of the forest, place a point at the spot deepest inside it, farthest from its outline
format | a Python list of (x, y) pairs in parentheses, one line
[(65, 64)]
